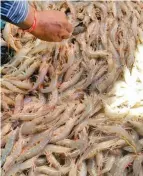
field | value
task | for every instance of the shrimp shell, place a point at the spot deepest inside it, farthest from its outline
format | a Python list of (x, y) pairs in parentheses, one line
[(8, 37), (74, 80), (137, 165), (122, 164), (19, 167), (8, 147), (108, 165), (29, 71), (11, 87)]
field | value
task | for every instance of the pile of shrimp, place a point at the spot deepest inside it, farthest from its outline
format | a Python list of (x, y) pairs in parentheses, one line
[(75, 108)]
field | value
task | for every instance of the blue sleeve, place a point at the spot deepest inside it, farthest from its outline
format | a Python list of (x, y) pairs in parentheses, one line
[(14, 11)]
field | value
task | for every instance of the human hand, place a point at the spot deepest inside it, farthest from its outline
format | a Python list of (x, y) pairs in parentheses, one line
[(52, 26)]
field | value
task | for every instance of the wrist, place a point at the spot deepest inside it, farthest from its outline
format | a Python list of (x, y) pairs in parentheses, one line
[(28, 22)]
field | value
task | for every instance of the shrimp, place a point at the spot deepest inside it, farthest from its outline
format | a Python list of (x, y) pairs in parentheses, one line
[(71, 58), (103, 7), (74, 80), (29, 71), (11, 87), (8, 37), (97, 54), (42, 72), (39, 48), (8, 147), (8, 100), (6, 129), (24, 65), (40, 161), (94, 149), (134, 26), (52, 160), (71, 70), (57, 149), (122, 133), (73, 170), (18, 103), (83, 169), (108, 165), (20, 167), (6, 91), (20, 84), (91, 167), (52, 85), (48, 171), (138, 126), (99, 161), (67, 129), (122, 164), (10, 160), (29, 153)]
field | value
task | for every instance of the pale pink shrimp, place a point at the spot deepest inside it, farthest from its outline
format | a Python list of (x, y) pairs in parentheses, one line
[(67, 129), (52, 85), (8, 100), (71, 58), (74, 80), (42, 73), (11, 87), (52, 160), (8, 36), (122, 164), (18, 103), (71, 70), (29, 71), (20, 84), (4, 90)]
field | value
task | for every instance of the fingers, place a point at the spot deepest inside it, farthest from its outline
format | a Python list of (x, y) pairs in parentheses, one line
[(69, 27), (64, 34)]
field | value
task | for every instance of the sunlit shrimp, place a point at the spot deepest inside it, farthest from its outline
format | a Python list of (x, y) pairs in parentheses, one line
[(108, 165), (67, 129), (57, 149), (42, 72), (52, 85), (138, 126), (5, 129), (10, 160), (29, 153), (73, 170), (122, 164), (71, 70), (8, 100), (40, 161), (8, 147), (18, 103), (24, 65), (47, 170), (29, 71), (41, 47), (82, 169), (137, 164), (4, 90), (92, 167), (8, 36), (52, 160), (20, 84), (74, 79), (20, 166), (11, 87), (71, 57), (103, 7)]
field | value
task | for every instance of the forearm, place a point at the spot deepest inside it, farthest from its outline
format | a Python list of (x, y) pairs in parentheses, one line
[(14, 11)]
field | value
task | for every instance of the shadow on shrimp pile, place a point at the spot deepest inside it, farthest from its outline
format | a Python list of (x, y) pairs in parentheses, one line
[(76, 107)]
